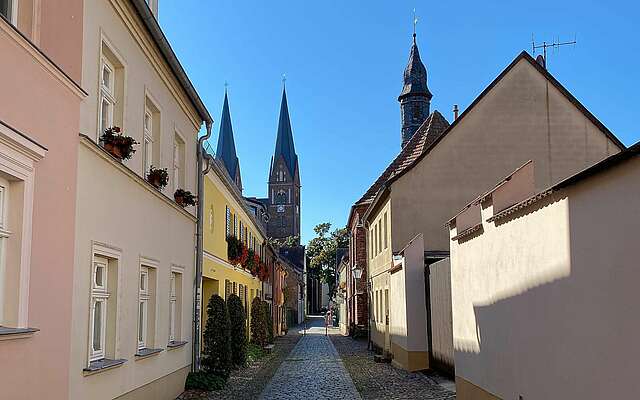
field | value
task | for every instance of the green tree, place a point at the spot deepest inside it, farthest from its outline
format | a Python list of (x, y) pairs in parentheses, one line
[(217, 346), (238, 331), (289, 241), (258, 323), (268, 320), (322, 250)]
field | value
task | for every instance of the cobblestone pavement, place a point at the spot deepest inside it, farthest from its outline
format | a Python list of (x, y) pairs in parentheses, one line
[(248, 383), (313, 370), (384, 381)]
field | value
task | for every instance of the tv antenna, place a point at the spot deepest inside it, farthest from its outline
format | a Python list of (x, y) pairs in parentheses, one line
[(555, 45)]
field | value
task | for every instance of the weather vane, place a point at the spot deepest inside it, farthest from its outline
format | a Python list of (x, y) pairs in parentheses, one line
[(226, 85), (415, 22), (284, 79)]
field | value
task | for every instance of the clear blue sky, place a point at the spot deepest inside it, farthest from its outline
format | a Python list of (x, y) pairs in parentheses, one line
[(344, 62)]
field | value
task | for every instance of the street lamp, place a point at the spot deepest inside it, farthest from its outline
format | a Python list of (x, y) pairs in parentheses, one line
[(357, 273)]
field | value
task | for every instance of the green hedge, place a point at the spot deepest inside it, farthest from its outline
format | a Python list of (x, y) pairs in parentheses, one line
[(238, 331), (216, 358)]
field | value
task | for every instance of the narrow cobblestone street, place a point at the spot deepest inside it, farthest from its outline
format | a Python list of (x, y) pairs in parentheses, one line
[(316, 366), (313, 370)]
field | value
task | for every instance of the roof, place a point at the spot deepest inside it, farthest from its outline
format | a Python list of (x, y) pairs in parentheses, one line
[(586, 173), (522, 56), (226, 150), (428, 133), (161, 41), (284, 140), (415, 75)]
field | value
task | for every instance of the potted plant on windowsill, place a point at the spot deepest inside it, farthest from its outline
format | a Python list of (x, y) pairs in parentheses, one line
[(184, 198), (158, 177), (116, 143)]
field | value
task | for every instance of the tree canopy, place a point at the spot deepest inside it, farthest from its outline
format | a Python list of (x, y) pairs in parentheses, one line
[(322, 251)]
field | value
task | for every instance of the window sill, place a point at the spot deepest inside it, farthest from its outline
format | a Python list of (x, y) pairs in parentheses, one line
[(145, 353), (7, 333), (176, 345), (102, 365), (100, 151)]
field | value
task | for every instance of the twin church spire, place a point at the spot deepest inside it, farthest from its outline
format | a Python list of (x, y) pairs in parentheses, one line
[(285, 147), (282, 203)]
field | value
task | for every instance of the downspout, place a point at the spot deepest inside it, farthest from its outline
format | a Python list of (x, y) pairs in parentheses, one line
[(197, 283)]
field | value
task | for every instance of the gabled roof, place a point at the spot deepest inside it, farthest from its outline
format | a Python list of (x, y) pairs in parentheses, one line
[(284, 140), (226, 150), (602, 166), (428, 133), (523, 55), (415, 75)]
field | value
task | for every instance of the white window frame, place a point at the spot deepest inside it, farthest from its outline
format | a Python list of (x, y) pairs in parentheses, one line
[(13, 12), (4, 235), (173, 299), (107, 93), (177, 164), (99, 295), (147, 145), (143, 306), (19, 161), (228, 221)]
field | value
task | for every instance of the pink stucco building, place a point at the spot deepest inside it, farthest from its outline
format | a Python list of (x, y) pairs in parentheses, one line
[(41, 48)]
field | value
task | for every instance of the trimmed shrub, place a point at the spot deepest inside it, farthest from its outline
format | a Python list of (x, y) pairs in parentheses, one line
[(258, 323), (203, 381), (238, 331), (217, 346), (268, 321)]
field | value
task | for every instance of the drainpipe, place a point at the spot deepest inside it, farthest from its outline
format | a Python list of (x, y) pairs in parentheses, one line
[(197, 283), (369, 287)]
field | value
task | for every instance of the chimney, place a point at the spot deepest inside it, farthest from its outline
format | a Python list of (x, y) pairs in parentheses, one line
[(540, 59), (455, 112)]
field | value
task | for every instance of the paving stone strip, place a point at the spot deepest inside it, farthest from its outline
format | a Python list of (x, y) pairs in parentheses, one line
[(313, 370), (384, 381)]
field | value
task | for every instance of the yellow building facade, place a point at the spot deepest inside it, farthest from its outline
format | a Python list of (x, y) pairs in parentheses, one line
[(226, 215)]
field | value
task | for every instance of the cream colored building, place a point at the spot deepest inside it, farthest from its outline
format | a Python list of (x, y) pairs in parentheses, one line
[(544, 286), (134, 247), (524, 114)]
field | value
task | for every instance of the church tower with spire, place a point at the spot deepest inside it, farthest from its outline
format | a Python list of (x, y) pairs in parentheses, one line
[(415, 98), (284, 181), (226, 150)]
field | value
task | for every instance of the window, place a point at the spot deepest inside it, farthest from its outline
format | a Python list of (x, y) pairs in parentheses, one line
[(375, 239), (8, 9), (146, 307), (143, 307), (386, 232), (235, 225), (235, 288), (175, 306), (151, 135), (281, 197), (379, 237), (178, 163), (107, 99), (17, 185), (227, 289), (99, 300), (147, 144), (228, 220)]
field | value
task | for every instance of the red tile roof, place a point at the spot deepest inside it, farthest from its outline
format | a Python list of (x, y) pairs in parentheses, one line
[(427, 134)]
